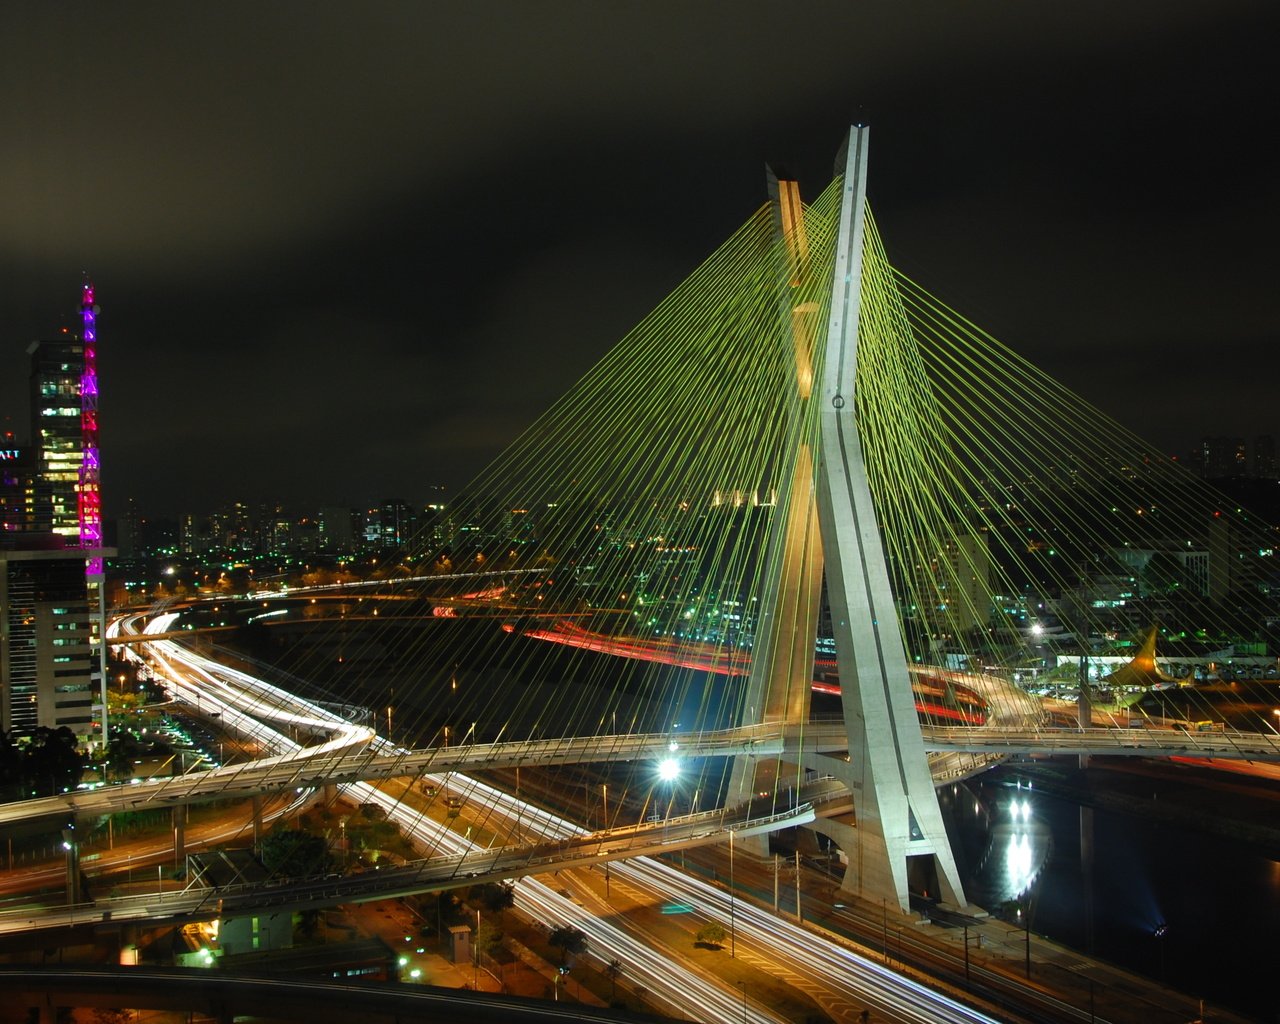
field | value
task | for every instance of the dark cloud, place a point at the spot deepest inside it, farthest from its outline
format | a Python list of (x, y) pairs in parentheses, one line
[(349, 251)]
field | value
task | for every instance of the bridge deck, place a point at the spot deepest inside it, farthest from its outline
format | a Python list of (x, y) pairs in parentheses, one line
[(336, 763)]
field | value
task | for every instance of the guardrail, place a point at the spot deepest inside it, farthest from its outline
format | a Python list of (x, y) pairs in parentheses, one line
[(422, 875)]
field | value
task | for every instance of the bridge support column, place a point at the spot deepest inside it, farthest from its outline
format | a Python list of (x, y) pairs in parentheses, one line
[(257, 821), (1084, 707), (71, 847), (845, 835), (897, 808), (128, 945), (1086, 871), (778, 689), (178, 817)]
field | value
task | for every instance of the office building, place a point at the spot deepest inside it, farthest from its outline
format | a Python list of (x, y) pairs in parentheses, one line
[(50, 641)]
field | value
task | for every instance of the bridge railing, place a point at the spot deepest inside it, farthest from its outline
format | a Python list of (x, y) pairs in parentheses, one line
[(437, 872)]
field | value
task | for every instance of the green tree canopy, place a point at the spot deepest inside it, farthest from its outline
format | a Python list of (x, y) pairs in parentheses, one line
[(569, 940), (294, 853), (494, 897), (711, 934)]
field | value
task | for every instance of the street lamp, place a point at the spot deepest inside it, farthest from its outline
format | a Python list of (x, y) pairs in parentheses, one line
[(1025, 914), (743, 986), (73, 863), (732, 921), (966, 953), (1160, 934)]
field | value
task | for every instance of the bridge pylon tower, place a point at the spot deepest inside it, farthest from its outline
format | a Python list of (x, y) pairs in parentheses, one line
[(831, 524)]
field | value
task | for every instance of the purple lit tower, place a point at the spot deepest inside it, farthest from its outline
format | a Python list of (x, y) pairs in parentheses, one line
[(90, 492)]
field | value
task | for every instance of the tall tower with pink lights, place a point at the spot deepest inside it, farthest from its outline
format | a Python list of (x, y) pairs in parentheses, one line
[(52, 653), (89, 490)]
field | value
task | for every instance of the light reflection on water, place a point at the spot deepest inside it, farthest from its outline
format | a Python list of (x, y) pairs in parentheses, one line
[(1015, 842), (1149, 896), (1019, 847)]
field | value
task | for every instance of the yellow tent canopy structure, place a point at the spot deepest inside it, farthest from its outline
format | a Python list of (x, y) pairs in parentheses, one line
[(1143, 671)]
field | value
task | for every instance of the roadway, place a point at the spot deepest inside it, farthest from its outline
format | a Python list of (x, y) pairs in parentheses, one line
[(843, 978), (862, 983), (255, 710), (432, 874)]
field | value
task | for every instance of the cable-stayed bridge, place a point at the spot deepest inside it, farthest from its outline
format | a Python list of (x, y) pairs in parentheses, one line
[(799, 442), (317, 767)]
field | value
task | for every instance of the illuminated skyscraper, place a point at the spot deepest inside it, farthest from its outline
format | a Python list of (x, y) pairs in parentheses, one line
[(56, 371), (52, 654), (22, 492), (1265, 466), (50, 641), (64, 431), (89, 496), (1223, 458)]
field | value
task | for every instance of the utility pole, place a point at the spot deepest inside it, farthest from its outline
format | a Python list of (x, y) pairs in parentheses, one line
[(1026, 923), (776, 860), (799, 912), (732, 928)]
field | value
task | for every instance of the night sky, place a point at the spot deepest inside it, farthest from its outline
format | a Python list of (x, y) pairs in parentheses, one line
[(348, 251)]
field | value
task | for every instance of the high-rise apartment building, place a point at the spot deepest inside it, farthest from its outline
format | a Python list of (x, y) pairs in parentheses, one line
[(56, 433), (337, 528), (52, 656), (1265, 466), (50, 641), (23, 493), (954, 586), (395, 523), (1223, 458)]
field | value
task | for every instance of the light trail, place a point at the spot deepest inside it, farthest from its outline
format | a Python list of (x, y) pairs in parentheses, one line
[(853, 977)]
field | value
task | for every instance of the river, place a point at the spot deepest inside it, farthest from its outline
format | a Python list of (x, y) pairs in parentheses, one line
[(1170, 901)]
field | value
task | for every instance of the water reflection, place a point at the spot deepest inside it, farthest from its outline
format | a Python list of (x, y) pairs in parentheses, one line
[(1006, 842), (1168, 901)]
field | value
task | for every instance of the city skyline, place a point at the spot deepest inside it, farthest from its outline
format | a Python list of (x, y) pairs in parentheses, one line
[(347, 263)]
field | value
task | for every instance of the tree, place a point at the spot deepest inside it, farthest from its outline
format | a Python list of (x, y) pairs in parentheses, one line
[(10, 769), (372, 812), (494, 897), (294, 854), (488, 939), (125, 747), (711, 934), (613, 971), (445, 908), (569, 940), (308, 924), (51, 763)]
